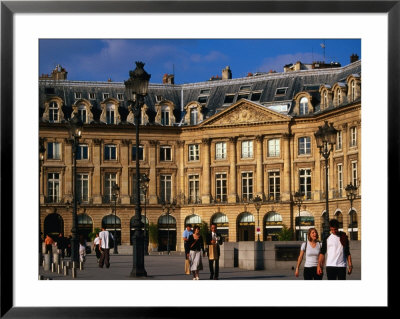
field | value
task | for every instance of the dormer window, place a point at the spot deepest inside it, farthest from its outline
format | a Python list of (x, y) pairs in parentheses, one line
[(110, 113), (229, 98), (280, 91), (255, 96), (353, 90), (92, 96), (303, 106), (165, 115), (82, 113), (106, 96), (194, 116), (326, 99), (203, 96), (120, 96), (339, 96), (78, 95), (53, 112)]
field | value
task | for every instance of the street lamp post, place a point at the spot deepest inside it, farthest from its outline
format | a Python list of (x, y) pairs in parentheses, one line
[(75, 127), (144, 185), (42, 150), (168, 206), (326, 138), (351, 192), (257, 204), (115, 193), (136, 89), (298, 200)]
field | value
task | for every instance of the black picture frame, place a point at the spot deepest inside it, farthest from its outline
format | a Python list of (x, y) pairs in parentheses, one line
[(9, 8)]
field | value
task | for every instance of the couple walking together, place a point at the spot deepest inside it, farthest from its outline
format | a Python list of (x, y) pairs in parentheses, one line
[(194, 248)]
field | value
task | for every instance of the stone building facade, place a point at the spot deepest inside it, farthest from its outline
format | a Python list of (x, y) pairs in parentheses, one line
[(211, 147)]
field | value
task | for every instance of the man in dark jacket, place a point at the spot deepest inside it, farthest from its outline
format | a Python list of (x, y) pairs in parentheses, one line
[(213, 240)]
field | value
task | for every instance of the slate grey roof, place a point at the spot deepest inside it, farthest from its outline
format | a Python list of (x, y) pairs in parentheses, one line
[(266, 84)]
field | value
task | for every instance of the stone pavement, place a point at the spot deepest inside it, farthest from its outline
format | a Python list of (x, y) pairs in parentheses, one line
[(171, 267)]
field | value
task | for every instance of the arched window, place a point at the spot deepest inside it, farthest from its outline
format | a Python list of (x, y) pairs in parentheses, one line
[(273, 226), (303, 106), (245, 227), (326, 103), (339, 217), (193, 219), (353, 90), (53, 112), (85, 225), (222, 222), (339, 96)]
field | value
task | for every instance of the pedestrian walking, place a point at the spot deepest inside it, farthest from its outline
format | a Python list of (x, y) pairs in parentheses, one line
[(213, 240), (96, 247), (336, 247), (61, 243), (195, 247), (186, 233), (310, 249), (82, 249), (104, 245), (49, 244)]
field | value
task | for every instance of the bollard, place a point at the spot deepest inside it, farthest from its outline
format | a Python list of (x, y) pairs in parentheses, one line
[(65, 271), (56, 258), (68, 264), (73, 272), (46, 262), (62, 264), (53, 267), (81, 265), (59, 269)]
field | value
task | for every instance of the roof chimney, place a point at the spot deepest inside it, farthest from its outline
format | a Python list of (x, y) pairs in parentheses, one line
[(354, 57), (168, 79), (226, 73)]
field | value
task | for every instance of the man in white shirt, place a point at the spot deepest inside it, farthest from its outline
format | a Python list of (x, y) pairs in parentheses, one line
[(104, 247), (336, 246)]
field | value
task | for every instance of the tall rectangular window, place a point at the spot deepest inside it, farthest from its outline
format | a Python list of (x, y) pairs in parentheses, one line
[(194, 189), (194, 152), (140, 153), (110, 179), (82, 186), (354, 176), (304, 145), (340, 179), (165, 115), (194, 116), (165, 153), (220, 150), (274, 185), (110, 152), (339, 140), (247, 185), (82, 152), (53, 187), (165, 187), (110, 116), (53, 150), (305, 182), (247, 149), (353, 136), (221, 187), (274, 147)]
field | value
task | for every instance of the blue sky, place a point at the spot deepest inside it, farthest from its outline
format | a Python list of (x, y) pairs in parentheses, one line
[(191, 60)]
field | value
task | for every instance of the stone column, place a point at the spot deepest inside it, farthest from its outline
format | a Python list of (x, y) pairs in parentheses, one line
[(96, 179), (287, 162), (259, 166), (318, 181), (206, 178), (124, 179), (232, 194), (153, 174), (180, 189)]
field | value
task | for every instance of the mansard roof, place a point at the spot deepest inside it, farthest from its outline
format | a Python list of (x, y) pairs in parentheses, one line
[(266, 85)]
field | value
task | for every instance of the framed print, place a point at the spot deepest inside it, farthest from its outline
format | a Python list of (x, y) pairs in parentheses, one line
[(24, 28)]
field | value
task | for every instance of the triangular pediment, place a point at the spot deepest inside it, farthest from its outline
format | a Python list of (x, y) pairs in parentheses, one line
[(245, 112)]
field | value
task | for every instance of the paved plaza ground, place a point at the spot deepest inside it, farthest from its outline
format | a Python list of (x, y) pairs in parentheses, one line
[(171, 267)]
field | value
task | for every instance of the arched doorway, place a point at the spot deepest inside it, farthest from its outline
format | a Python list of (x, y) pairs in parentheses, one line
[(222, 223), (110, 223), (166, 233), (194, 220), (353, 225), (53, 225), (85, 226), (272, 226), (303, 223), (339, 217), (145, 222), (245, 227)]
